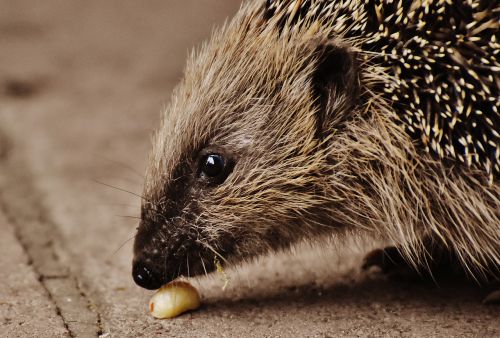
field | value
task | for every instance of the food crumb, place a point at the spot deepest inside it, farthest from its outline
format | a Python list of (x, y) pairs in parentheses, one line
[(221, 271)]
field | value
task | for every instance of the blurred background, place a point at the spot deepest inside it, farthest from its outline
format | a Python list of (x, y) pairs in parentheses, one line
[(82, 85)]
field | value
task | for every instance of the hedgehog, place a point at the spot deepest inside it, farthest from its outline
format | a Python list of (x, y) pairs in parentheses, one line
[(300, 119)]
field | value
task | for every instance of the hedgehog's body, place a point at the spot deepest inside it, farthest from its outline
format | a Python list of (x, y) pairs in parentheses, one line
[(327, 115), (442, 77)]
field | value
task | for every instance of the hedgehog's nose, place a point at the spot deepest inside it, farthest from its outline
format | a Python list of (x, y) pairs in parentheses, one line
[(145, 276)]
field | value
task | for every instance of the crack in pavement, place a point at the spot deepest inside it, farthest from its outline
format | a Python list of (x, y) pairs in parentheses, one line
[(40, 239)]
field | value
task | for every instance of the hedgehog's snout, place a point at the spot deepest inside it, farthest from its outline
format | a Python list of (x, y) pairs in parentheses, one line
[(155, 265), (148, 266), (146, 275), (162, 253)]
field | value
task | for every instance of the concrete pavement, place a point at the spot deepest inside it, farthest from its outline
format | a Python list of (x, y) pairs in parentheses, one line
[(26, 308)]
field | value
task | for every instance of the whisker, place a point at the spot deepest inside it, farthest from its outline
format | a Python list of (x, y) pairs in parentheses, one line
[(215, 252), (126, 166), (114, 205), (123, 244), (165, 265), (203, 264), (128, 216), (121, 189)]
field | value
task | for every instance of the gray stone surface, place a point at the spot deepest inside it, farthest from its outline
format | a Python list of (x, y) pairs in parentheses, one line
[(82, 84), (26, 309)]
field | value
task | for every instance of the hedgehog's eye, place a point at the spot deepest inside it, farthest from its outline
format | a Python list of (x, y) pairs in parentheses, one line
[(213, 167)]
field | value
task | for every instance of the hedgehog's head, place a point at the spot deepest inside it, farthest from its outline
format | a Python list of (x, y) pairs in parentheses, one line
[(240, 163)]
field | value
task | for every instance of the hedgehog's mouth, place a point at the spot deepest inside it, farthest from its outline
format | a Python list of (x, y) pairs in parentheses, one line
[(192, 263), (152, 273), (190, 258)]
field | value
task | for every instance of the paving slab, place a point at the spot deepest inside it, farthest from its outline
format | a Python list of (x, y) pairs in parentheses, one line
[(26, 309)]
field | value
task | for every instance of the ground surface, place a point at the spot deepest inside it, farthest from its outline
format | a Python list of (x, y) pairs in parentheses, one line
[(82, 84)]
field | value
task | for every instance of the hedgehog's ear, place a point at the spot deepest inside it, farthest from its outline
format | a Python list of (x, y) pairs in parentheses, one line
[(335, 85)]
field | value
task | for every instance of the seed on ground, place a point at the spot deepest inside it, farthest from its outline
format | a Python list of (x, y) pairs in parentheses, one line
[(173, 299)]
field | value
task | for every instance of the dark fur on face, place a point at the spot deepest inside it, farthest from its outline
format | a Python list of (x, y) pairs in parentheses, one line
[(308, 147)]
